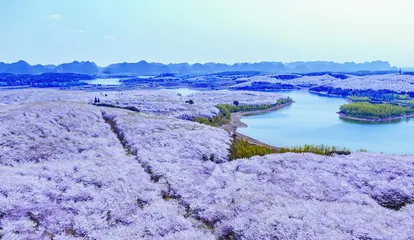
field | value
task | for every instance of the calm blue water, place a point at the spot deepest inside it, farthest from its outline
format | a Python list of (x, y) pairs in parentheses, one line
[(103, 81), (312, 119)]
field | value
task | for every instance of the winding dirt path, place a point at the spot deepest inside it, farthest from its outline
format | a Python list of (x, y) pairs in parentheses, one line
[(235, 123)]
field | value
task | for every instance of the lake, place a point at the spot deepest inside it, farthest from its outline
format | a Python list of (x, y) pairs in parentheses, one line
[(312, 119), (103, 81)]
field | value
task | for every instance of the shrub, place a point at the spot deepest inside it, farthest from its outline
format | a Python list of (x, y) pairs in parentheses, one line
[(317, 149), (241, 148)]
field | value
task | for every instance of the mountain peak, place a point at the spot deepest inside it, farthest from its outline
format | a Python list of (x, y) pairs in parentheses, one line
[(22, 62)]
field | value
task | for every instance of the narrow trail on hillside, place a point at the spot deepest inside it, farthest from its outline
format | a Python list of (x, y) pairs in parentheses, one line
[(167, 191)]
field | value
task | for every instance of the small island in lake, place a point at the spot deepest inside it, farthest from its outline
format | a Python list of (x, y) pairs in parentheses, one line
[(366, 111)]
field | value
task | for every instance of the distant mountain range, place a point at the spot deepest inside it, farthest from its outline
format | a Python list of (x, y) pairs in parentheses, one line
[(146, 68), (22, 67)]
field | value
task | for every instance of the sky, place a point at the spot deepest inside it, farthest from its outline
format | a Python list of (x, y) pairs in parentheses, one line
[(227, 31)]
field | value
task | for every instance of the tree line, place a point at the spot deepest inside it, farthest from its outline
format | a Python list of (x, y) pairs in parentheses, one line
[(241, 148), (226, 109), (316, 149)]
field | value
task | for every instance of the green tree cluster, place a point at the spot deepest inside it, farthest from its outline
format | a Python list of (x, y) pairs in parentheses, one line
[(215, 121), (374, 111)]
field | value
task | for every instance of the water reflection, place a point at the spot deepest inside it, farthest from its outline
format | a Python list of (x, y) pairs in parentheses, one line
[(401, 120)]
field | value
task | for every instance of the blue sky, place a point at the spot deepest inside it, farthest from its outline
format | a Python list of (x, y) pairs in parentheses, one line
[(56, 31)]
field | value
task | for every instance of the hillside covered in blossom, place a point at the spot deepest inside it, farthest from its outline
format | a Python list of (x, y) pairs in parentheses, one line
[(73, 170), (165, 103), (393, 82)]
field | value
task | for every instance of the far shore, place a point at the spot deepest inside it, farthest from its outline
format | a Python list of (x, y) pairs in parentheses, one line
[(377, 120), (235, 122), (326, 94)]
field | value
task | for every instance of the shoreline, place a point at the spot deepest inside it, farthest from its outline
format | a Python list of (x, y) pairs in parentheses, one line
[(326, 94), (381, 120), (235, 123)]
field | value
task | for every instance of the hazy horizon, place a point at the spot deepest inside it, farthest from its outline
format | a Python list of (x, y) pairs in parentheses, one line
[(190, 63), (54, 32)]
